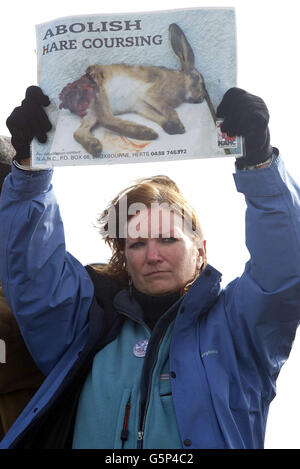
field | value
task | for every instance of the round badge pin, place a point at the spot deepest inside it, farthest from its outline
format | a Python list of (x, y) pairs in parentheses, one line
[(140, 348)]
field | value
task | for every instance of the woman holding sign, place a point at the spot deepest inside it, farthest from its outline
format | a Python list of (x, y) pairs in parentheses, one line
[(149, 351)]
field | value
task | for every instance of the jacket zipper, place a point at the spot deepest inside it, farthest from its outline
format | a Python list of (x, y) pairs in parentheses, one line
[(140, 440), (142, 424)]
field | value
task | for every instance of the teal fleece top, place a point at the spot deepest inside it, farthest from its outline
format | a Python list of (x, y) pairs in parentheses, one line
[(110, 398)]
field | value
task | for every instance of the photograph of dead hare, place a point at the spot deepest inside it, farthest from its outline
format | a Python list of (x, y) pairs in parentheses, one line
[(153, 92)]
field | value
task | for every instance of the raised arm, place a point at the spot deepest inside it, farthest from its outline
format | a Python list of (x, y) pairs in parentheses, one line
[(264, 303), (48, 290)]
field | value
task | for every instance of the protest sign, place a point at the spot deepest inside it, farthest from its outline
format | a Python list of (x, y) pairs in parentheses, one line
[(136, 87)]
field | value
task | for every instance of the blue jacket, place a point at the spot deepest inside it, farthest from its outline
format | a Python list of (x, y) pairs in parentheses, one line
[(227, 346)]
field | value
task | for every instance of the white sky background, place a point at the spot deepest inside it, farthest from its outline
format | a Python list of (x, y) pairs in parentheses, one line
[(268, 52)]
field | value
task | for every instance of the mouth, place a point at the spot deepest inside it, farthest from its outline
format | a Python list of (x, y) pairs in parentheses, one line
[(157, 272)]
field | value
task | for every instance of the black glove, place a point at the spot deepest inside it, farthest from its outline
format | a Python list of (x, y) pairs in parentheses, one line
[(28, 121), (247, 115)]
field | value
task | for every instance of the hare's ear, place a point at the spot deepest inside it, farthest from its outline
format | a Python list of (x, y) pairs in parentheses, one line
[(94, 73), (181, 47)]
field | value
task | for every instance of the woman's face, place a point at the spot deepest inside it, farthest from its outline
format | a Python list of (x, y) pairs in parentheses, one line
[(160, 257)]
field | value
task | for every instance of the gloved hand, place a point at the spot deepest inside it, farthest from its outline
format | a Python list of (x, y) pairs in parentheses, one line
[(246, 115), (28, 121)]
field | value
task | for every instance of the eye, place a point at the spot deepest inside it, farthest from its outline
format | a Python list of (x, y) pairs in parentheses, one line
[(168, 240), (136, 245)]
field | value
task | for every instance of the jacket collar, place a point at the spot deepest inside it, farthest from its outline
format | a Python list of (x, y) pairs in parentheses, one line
[(125, 303), (201, 296)]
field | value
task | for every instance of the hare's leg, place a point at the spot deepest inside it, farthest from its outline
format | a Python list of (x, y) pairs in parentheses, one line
[(121, 126), (162, 114), (84, 136)]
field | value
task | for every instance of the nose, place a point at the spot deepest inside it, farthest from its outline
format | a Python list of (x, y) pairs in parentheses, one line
[(153, 254)]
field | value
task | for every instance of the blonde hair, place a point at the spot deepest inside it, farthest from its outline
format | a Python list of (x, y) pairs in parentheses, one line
[(156, 189)]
